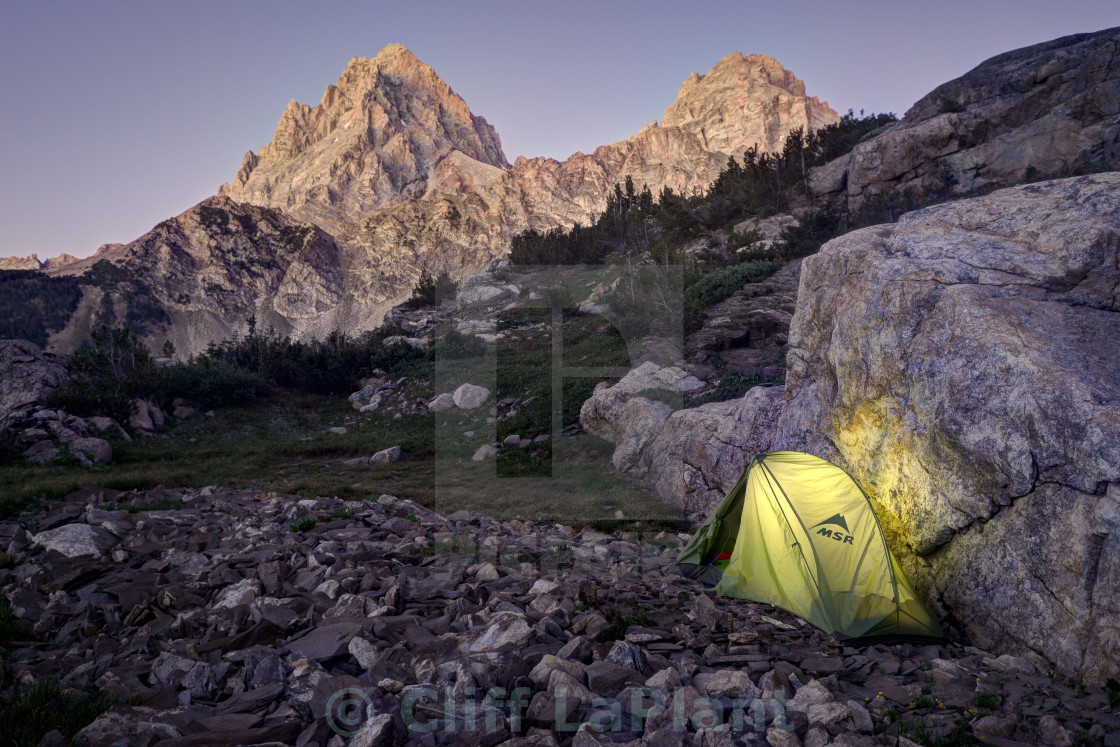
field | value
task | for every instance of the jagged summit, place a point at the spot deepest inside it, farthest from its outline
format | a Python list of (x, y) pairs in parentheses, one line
[(373, 140), (744, 100)]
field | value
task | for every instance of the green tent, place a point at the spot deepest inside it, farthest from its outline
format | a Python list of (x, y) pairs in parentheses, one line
[(799, 533)]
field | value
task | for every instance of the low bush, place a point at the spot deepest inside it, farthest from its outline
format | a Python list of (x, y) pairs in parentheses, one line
[(208, 384)]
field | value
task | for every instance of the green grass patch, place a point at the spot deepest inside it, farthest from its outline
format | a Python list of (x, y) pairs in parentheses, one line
[(26, 715), (621, 622), (304, 524)]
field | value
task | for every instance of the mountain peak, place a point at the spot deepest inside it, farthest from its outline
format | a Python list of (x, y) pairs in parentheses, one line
[(372, 140), (745, 99)]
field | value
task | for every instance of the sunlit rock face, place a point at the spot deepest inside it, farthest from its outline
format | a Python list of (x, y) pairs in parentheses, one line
[(746, 100), (1051, 108), (964, 366), (380, 135), (398, 176)]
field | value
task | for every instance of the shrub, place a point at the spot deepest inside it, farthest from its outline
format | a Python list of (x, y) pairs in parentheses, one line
[(105, 379), (431, 291), (456, 346), (397, 359), (714, 287), (209, 383)]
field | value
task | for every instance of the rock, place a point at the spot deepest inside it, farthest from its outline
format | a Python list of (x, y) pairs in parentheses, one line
[(245, 591), (993, 726), (27, 376), (607, 678), (420, 343), (386, 457), (508, 631), (822, 664), (119, 725), (41, 453), (1052, 732), (1009, 421), (699, 453), (325, 641), (377, 731), (484, 452), (1047, 109), (76, 540), (621, 415), (337, 430), (730, 683), (90, 451), (748, 332), (513, 440), (776, 737), (443, 402), (470, 396), (141, 418), (364, 652)]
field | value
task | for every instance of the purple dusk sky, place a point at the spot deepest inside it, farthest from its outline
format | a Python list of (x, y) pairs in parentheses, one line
[(118, 115)]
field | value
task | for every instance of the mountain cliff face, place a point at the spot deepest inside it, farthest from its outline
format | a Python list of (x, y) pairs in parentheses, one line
[(745, 99), (378, 137), (1053, 108), (391, 174)]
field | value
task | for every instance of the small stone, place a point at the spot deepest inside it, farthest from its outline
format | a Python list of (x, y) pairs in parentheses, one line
[(385, 457), (364, 652), (513, 440), (776, 737), (731, 683), (338, 430)]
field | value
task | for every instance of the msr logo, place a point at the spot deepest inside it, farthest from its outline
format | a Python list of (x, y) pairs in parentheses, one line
[(835, 534)]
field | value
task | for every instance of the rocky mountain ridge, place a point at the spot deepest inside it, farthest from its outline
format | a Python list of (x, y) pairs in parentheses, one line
[(1051, 109), (397, 171)]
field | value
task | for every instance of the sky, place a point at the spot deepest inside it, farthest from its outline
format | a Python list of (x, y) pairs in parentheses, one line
[(117, 115)]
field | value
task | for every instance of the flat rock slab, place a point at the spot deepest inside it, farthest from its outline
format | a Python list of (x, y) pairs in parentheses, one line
[(76, 540)]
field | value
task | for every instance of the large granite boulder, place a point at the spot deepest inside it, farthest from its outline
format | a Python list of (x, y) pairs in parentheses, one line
[(963, 366), (1049, 109)]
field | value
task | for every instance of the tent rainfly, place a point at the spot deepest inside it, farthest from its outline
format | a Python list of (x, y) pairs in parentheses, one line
[(797, 532)]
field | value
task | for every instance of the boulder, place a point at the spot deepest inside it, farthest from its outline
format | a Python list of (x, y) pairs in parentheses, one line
[(141, 418), (962, 366), (1048, 109), (470, 396), (385, 457), (484, 452), (623, 415), (91, 451), (443, 402), (27, 375)]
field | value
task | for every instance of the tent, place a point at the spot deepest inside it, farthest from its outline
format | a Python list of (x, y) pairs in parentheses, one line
[(797, 532)]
